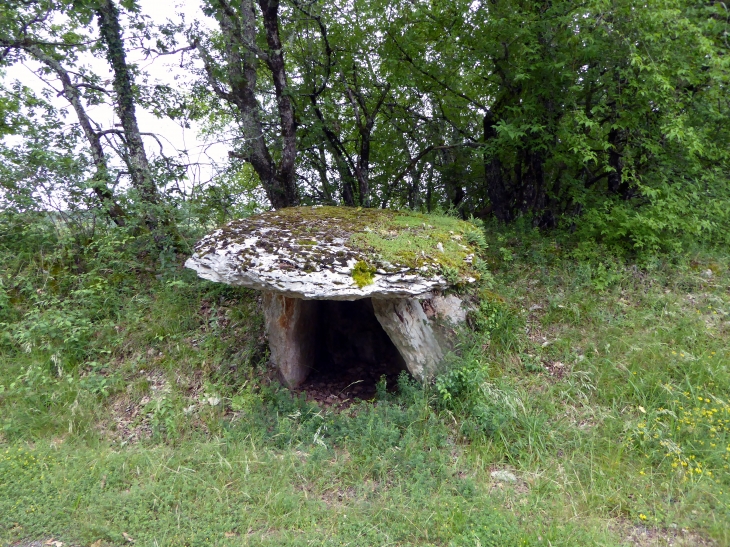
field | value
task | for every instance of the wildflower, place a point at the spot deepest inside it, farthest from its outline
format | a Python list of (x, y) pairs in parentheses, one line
[(642, 516)]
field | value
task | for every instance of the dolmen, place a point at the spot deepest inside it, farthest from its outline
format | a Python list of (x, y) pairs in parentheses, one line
[(345, 283)]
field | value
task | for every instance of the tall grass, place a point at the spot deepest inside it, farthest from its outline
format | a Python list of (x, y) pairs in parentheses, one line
[(588, 406)]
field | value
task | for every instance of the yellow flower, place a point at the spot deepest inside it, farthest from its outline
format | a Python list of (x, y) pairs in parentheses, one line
[(642, 516)]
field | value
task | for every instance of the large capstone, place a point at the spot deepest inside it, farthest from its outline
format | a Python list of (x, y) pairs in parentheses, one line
[(398, 263)]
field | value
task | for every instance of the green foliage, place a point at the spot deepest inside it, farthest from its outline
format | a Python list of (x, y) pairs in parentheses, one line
[(229, 196), (599, 118), (495, 321), (594, 118), (460, 379), (476, 239)]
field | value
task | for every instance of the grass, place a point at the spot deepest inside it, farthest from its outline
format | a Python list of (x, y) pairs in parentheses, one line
[(136, 407)]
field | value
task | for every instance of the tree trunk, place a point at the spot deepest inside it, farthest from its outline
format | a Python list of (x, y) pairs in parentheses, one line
[(321, 164), (363, 168), (139, 168), (241, 64), (499, 195), (365, 121), (532, 182), (617, 184), (342, 160), (275, 59), (614, 161), (101, 180)]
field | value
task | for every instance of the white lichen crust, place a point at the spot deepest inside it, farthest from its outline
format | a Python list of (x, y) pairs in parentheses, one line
[(308, 252), (338, 253), (257, 255)]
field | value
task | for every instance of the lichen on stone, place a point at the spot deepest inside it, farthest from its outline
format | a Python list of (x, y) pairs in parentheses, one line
[(322, 244)]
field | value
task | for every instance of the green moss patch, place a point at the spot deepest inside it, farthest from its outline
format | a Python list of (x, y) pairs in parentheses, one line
[(419, 241), (380, 240), (363, 274)]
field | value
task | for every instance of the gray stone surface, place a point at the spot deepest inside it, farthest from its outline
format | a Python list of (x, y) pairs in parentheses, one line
[(315, 260), (411, 331), (445, 314), (503, 476), (300, 257), (271, 271), (291, 325)]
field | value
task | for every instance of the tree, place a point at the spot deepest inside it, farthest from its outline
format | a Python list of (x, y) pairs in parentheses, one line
[(33, 32), (593, 113), (20, 35), (135, 155), (232, 62)]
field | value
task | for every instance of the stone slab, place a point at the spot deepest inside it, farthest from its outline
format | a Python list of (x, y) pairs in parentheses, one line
[(410, 330), (291, 325), (309, 253)]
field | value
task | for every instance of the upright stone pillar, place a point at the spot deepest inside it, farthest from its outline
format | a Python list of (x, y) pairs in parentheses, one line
[(291, 325), (410, 330)]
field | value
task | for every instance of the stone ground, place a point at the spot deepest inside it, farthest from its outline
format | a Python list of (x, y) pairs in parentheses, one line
[(341, 387)]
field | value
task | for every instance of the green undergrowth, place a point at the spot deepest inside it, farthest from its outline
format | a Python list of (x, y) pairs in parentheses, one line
[(589, 406)]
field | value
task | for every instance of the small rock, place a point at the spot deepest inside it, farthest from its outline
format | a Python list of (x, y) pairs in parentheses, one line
[(503, 476), (707, 274)]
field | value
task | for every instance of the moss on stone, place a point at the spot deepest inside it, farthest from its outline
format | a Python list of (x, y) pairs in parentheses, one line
[(384, 240), (362, 274)]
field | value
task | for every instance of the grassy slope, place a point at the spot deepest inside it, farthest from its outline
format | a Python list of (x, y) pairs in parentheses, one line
[(141, 410)]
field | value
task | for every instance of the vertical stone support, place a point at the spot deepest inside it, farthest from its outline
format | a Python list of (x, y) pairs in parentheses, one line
[(445, 314), (410, 330), (291, 326)]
